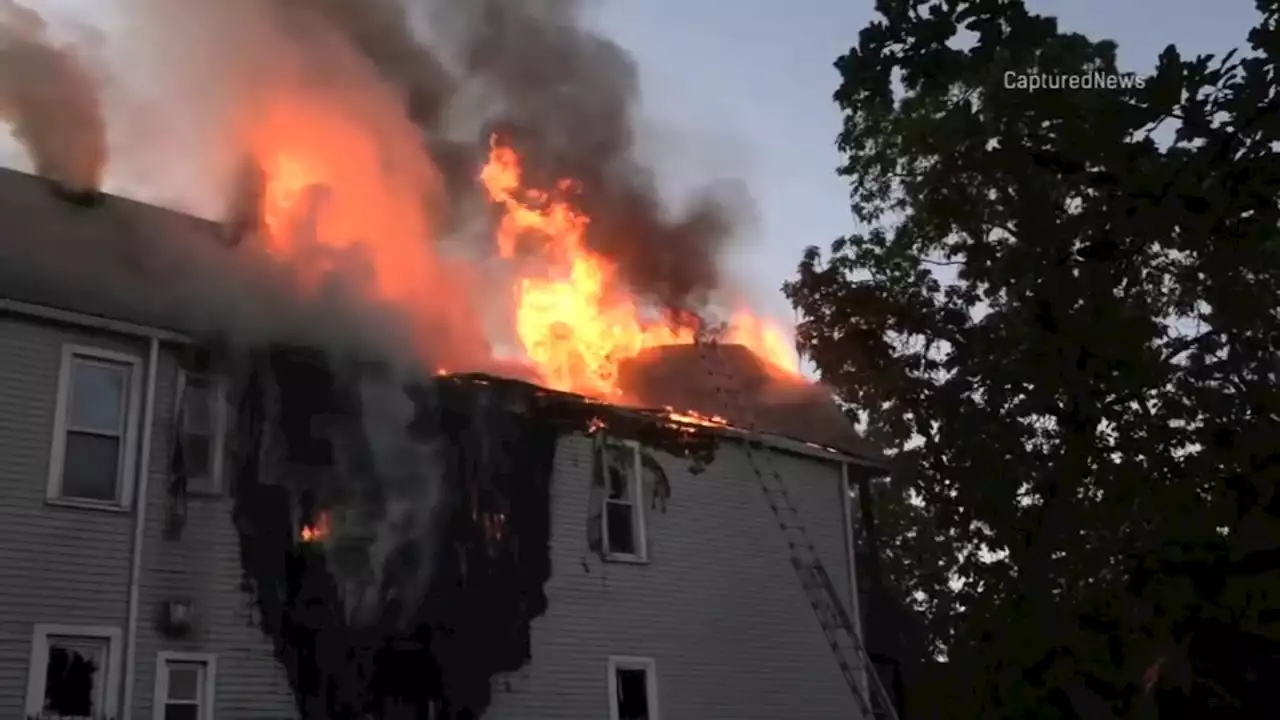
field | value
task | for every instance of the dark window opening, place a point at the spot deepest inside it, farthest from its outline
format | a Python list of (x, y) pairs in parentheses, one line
[(618, 483), (622, 535), (197, 455), (620, 503), (198, 427), (70, 686), (633, 694)]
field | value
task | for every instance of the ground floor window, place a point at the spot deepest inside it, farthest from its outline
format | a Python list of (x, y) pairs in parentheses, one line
[(184, 686), (74, 672), (633, 688)]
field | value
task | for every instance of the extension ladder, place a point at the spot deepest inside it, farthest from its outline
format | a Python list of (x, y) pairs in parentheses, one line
[(840, 630)]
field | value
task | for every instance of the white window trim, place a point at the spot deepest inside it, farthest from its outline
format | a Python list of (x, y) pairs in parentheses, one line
[(637, 515), (57, 453), (39, 662), (218, 441), (210, 662), (632, 662)]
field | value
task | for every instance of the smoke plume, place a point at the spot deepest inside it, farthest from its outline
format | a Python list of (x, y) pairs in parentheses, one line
[(458, 72), (51, 101), (566, 99)]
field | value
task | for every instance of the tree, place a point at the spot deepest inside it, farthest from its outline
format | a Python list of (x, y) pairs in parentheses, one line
[(1060, 310)]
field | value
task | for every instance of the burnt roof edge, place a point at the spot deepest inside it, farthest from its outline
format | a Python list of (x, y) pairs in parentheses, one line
[(776, 442)]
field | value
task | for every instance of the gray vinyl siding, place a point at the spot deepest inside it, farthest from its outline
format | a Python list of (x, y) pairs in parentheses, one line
[(71, 565), (718, 607), (57, 564), (202, 564)]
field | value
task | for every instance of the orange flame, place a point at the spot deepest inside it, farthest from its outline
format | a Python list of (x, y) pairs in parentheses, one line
[(338, 203), (335, 200), (696, 418), (575, 320), (325, 171), (317, 531)]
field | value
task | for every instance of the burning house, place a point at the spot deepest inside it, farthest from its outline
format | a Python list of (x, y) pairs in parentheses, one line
[(276, 531), (431, 425)]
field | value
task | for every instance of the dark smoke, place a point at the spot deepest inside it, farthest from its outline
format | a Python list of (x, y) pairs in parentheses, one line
[(565, 98), (380, 30), (568, 99), (51, 101)]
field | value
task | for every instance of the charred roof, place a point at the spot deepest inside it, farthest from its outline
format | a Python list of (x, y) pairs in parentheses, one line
[(735, 384), (126, 260)]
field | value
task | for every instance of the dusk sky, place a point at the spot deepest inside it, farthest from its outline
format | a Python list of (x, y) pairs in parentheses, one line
[(742, 89), (762, 72)]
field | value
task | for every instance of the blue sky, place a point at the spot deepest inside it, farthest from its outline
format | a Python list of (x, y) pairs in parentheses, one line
[(760, 71), (742, 88)]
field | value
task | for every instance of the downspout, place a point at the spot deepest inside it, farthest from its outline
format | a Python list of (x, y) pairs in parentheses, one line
[(139, 529), (846, 510), (846, 507)]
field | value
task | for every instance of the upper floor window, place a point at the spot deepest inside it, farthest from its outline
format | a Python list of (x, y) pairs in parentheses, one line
[(201, 417), (624, 530), (94, 446)]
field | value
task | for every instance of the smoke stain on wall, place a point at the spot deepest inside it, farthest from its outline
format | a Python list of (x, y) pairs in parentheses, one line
[(439, 650)]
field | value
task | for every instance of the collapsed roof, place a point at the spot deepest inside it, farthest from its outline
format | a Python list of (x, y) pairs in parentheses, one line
[(121, 259), (732, 383)]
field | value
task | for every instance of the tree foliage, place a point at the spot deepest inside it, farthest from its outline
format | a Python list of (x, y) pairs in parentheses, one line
[(1060, 309)]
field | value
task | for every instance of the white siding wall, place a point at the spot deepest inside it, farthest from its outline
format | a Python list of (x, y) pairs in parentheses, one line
[(718, 607)]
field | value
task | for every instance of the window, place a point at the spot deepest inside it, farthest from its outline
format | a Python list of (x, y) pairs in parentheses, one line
[(201, 414), (184, 686), (74, 672), (624, 531), (96, 426), (633, 688)]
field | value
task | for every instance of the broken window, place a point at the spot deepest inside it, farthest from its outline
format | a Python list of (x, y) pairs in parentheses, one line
[(96, 407), (624, 535), (201, 417), (73, 679), (632, 689)]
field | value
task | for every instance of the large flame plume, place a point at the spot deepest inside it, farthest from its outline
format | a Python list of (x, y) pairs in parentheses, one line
[(575, 320)]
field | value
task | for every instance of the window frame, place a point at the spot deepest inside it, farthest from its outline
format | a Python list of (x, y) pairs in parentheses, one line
[(637, 511), (127, 467), (208, 696), (215, 484), (39, 658), (633, 662)]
